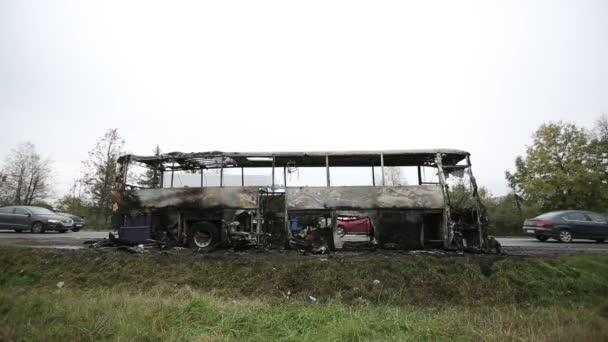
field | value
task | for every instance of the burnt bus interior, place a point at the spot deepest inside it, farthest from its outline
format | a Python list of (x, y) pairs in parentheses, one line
[(233, 213)]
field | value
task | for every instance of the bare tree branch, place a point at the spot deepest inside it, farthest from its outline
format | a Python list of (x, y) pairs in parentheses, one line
[(26, 176)]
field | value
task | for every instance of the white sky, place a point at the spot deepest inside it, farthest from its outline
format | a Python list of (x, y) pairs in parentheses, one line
[(310, 75)]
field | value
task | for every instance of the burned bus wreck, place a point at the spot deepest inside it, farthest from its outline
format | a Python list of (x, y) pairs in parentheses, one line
[(226, 208)]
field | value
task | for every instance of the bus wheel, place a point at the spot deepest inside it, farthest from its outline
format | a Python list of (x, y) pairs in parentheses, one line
[(203, 235)]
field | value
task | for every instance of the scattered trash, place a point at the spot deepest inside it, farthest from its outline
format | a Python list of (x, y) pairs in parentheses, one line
[(138, 249), (376, 282), (321, 249), (288, 293), (312, 299), (300, 244), (324, 259), (427, 252), (101, 243), (134, 249), (494, 245), (315, 247), (113, 238), (60, 285)]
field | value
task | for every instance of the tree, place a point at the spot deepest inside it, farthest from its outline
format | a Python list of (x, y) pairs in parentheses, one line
[(393, 176), (73, 205), (599, 148), (461, 194), (507, 213), (3, 188), (26, 176), (151, 177), (560, 170), (100, 172), (73, 202), (601, 128)]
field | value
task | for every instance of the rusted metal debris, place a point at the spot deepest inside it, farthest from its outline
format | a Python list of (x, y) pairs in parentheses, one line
[(282, 216)]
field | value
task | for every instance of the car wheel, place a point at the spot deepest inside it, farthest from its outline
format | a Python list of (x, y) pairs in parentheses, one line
[(542, 238), (565, 236), (340, 231), (600, 240), (203, 235), (37, 228), (75, 229)]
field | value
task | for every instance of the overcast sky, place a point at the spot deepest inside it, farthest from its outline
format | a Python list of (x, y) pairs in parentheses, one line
[(310, 75)]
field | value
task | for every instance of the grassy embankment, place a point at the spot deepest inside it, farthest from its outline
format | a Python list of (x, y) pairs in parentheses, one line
[(114, 296)]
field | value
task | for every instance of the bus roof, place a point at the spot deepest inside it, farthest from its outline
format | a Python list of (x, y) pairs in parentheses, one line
[(217, 159)]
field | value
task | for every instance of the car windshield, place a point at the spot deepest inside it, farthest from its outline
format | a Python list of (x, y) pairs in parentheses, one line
[(41, 211)]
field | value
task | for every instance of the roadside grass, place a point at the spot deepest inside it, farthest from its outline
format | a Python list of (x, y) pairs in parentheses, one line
[(186, 296), (404, 280), (101, 314)]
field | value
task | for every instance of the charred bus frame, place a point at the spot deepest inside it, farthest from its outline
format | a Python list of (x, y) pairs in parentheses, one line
[(408, 216)]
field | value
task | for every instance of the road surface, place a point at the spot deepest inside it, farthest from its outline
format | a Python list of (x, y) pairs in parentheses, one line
[(511, 245), (531, 246), (70, 240)]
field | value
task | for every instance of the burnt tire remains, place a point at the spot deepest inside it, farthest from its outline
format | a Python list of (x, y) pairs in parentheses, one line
[(203, 235)]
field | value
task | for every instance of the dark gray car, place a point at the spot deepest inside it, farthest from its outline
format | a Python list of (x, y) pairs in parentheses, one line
[(566, 225), (79, 221), (34, 219)]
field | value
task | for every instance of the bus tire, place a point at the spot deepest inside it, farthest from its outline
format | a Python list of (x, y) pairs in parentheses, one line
[(203, 235)]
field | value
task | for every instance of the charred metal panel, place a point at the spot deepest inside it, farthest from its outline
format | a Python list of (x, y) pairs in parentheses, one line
[(192, 198), (402, 228), (273, 204), (401, 197)]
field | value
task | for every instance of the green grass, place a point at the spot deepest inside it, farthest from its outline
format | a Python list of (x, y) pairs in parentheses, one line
[(156, 297), (51, 315)]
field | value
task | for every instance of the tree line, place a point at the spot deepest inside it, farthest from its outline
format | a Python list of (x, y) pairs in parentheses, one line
[(26, 178)]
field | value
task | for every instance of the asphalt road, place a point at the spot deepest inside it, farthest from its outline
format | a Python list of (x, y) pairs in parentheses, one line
[(511, 245), (531, 246), (69, 240)]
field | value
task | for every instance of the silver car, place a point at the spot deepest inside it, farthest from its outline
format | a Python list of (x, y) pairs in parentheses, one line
[(34, 219)]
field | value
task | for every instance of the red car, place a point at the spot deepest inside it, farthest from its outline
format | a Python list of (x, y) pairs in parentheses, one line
[(353, 226)]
